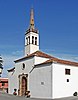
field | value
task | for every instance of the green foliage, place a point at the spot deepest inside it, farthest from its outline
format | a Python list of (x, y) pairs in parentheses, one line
[(1, 62)]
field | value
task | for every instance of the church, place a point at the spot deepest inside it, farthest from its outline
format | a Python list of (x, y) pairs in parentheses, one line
[(40, 74)]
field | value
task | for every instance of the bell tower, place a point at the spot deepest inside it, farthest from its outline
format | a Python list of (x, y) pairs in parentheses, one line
[(31, 37)]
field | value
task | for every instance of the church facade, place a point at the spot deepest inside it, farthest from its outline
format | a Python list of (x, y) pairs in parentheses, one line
[(42, 75)]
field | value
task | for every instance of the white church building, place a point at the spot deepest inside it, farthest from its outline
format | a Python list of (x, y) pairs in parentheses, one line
[(43, 75)]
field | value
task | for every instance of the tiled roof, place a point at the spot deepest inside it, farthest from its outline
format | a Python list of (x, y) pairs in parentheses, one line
[(3, 79), (10, 70), (51, 59), (56, 60), (37, 53)]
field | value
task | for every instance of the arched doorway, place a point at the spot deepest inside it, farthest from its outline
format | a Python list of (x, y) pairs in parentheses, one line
[(24, 85)]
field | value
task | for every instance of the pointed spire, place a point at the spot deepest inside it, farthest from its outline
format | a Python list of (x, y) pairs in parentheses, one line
[(31, 25), (32, 19)]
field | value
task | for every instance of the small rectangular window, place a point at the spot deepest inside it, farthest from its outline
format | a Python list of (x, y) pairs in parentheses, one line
[(67, 71), (42, 83)]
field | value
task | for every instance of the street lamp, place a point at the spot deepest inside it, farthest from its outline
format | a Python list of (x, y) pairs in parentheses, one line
[(1, 64)]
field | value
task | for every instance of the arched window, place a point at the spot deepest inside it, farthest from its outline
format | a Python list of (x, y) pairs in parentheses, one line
[(32, 39), (35, 40), (23, 66), (28, 39)]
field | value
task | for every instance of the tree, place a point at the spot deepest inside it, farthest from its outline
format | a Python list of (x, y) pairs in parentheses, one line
[(1, 65)]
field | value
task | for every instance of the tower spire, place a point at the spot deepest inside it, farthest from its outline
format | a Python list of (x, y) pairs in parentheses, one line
[(31, 36), (32, 19)]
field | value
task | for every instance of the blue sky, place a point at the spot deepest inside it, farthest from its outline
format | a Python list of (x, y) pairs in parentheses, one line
[(56, 20)]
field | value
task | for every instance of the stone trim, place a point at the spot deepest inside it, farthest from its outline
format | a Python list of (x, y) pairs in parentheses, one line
[(20, 83)]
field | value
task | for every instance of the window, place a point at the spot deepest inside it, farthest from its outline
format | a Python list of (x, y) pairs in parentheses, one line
[(26, 40), (42, 83), (29, 40), (3, 84), (35, 40), (67, 80), (67, 71), (32, 39), (23, 66)]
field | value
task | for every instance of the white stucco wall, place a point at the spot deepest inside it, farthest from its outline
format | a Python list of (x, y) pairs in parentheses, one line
[(39, 60), (62, 88), (29, 64), (13, 78), (29, 49), (12, 82), (40, 82), (46, 80)]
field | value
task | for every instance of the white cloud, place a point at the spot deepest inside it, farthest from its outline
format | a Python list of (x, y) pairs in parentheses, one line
[(69, 57), (17, 53), (66, 55), (7, 64), (9, 61)]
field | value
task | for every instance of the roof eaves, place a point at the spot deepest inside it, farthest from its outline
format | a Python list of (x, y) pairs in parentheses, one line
[(10, 70), (20, 59), (62, 62), (37, 53), (56, 60)]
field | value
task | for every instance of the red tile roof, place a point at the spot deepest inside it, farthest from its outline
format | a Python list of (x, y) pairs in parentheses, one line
[(51, 59), (37, 53), (56, 60), (3, 79)]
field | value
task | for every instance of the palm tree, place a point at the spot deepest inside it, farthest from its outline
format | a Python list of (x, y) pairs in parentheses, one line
[(1, 65)]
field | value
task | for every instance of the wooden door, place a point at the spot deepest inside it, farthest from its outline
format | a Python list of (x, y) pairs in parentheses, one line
[(24, 86)]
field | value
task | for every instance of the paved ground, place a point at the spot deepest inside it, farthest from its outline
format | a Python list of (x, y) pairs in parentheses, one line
[(68, 98), (4, 96)]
